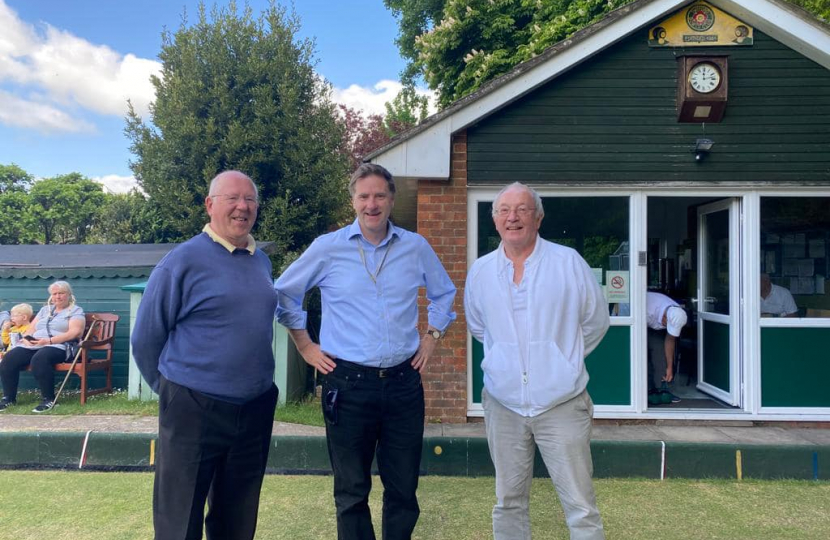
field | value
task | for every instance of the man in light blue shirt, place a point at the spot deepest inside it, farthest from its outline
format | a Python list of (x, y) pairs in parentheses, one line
[(370, 351)]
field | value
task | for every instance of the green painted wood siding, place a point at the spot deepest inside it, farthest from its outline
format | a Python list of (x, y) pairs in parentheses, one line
[(613, 119), (92, 294)]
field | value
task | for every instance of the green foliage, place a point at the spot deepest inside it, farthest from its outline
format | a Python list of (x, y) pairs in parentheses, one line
[(406, 110), (126, 218), (65, 207), (17, 224), (819, 8), (239, 92), (13, 178), (458, 45)]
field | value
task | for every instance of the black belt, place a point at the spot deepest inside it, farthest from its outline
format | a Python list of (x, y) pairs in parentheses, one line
[(376, 372)]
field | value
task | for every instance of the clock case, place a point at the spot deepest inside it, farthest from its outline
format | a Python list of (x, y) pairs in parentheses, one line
[(692, 106)]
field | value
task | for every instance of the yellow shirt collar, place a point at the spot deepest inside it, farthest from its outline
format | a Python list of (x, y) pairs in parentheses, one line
[(251, 247)]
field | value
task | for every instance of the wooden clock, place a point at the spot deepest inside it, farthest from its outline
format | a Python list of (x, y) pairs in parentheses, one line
[(701, 88)]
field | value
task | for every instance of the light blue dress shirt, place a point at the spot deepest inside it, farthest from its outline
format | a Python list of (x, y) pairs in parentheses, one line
[(367, 322)]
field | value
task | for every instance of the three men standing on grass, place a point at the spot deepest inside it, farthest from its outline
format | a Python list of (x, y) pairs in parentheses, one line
[(203, 335)]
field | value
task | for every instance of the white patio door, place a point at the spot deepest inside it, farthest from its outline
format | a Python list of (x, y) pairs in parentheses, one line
[(719, 300)]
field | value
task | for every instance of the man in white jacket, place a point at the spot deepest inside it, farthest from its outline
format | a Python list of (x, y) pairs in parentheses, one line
[(539, 311)]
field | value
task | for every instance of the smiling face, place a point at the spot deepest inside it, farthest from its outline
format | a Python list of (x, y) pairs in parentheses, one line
[(373, 203), (232, 207), (516, 220)]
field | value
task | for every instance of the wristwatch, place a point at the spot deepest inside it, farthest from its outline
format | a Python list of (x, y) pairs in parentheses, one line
[(437, 334)]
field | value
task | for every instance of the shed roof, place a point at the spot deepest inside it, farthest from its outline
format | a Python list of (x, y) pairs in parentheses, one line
[(424, 151), (81, 260), (85, 260)]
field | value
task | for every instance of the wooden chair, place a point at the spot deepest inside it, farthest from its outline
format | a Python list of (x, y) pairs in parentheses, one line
[(96, 353)]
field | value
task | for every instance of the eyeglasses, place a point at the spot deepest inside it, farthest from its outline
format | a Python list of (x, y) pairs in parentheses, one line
[(233, 199), (504, 211)]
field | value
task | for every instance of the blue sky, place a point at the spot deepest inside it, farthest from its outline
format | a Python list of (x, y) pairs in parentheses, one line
[(67, 66)]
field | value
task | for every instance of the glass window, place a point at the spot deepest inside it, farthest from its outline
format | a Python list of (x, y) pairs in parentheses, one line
[(597, 227), (795, 256)]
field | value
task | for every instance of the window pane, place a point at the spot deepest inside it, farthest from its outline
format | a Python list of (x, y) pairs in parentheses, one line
[(795, 250), (597, 227)]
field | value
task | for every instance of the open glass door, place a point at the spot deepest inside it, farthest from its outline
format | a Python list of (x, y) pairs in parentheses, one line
[(718, 300)]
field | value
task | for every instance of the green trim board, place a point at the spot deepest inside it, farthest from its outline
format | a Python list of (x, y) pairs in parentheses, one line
[(609, 366), (795, 367), (716, 354)]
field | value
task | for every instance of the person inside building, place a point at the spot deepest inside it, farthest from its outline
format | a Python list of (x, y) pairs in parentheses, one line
[(60, 321), (776, 301), (537, 308), (665, 319)]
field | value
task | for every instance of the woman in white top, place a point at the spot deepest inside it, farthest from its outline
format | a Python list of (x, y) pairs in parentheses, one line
[(58, 322)]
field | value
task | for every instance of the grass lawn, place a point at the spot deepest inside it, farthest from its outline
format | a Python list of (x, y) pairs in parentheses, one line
[(307, 412), (71, 505)]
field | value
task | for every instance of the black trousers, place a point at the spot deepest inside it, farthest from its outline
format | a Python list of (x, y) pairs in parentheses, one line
[(376, 412), (42, 361), (211, 450)]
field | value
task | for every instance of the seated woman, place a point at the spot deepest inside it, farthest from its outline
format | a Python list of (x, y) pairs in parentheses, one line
[(16, 326), (58, 322)]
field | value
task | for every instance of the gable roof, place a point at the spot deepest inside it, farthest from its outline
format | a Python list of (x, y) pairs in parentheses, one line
[(424, 151)]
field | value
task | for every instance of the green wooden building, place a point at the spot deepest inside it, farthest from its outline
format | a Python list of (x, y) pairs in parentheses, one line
[(96, 273), (681, 147)]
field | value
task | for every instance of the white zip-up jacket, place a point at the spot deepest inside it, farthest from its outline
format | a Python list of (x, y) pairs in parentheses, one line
[(567, 317)]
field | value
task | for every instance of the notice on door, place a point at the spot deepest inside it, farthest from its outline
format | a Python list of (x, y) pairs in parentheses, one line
[(616, 283)]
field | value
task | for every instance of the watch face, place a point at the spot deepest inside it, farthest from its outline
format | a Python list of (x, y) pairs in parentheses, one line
[(704, 77)]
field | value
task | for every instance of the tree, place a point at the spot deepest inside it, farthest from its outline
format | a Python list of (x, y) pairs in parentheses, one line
[(17, 225), (241, 93), (362, 134), (13, 178), (407, 109), (458, 45), (65, 207), (126, 218)]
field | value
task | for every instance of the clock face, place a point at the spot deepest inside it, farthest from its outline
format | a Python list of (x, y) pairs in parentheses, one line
[(704, 77)]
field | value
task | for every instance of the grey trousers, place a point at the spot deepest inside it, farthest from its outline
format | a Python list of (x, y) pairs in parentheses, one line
[(563, 435)]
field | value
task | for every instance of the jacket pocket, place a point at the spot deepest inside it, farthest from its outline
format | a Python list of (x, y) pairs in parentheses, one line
[(551, 376), (503, 373)]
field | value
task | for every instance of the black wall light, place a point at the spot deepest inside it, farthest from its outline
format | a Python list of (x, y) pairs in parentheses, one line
[(702, 148)]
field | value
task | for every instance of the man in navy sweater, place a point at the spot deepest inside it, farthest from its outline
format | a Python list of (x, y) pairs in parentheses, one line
[(202, 340)]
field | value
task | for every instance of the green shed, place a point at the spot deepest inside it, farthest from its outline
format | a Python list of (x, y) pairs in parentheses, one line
[(96, 273), (681, 147)]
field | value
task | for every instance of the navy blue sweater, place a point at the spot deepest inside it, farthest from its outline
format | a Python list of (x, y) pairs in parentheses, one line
[(206, 321)]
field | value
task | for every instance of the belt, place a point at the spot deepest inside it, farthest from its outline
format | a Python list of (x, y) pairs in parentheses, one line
[(378, 373)]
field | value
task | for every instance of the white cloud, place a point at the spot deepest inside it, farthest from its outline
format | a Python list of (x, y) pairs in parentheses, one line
[(117, 184), (42, 117), (69, 72), (372, 100)]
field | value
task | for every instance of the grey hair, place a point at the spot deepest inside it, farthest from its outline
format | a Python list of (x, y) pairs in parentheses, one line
[(212, 188), (65, 287), (537, 200), (371, 169)]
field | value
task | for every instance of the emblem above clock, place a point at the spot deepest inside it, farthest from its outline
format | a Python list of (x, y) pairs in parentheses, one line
[(702, 80)]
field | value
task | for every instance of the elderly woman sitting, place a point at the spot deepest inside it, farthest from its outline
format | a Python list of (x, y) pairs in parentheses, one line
[(57, 323)]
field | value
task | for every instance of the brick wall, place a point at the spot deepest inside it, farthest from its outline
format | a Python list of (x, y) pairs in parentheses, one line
[(442, 220)]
